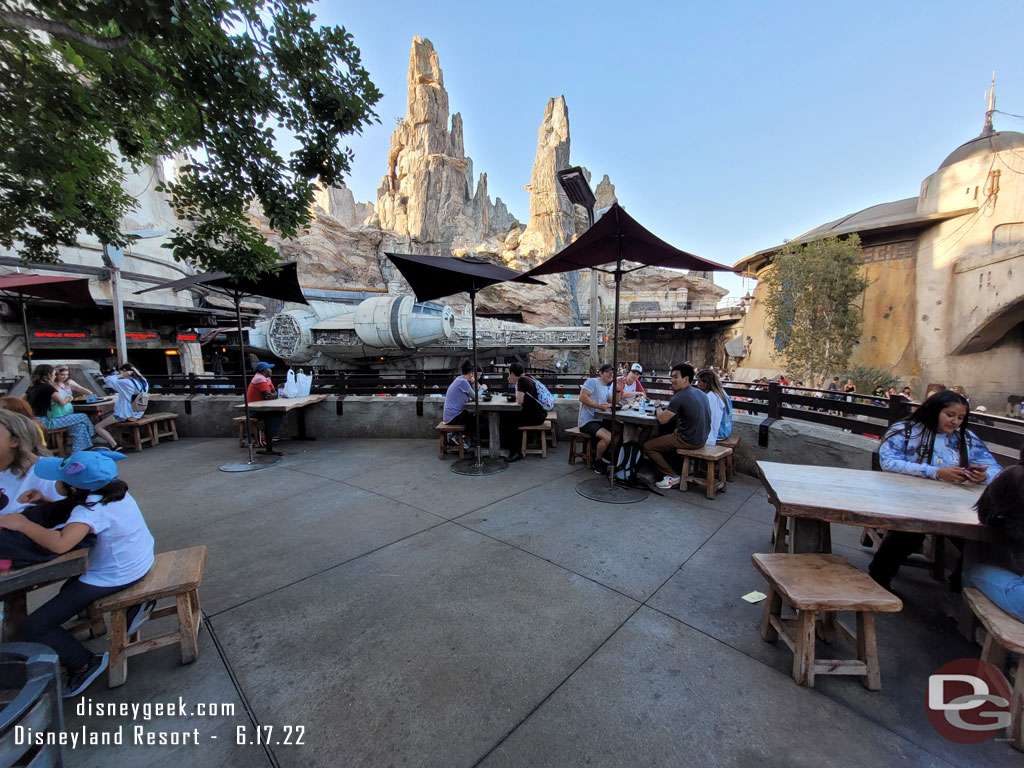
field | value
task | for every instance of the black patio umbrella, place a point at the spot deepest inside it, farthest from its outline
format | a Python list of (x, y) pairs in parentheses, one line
[(282, 284), (616, 238), (69, 290), (432, 277)]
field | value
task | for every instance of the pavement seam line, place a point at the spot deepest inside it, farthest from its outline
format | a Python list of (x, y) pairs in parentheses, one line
[(271, 757)]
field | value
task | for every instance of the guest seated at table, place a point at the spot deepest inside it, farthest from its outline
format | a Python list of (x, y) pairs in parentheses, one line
[(692, 428), (20, 448), (48, 407), (718, 402), (127, 382), (596, 397), (460, 392), (1001, 574), (934, 443), (262, 388), (628, 388), (66, 385), (121, 556), (532, 411)]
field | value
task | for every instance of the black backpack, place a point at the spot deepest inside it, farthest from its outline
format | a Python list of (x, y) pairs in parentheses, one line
[(625, 465)]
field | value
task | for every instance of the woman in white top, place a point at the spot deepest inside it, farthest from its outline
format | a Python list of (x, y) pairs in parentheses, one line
[(19, 448), (128, 383), (121, 556), (67, 386), (708, 383)]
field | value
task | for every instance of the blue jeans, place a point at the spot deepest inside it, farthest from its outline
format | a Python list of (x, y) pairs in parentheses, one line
[(1002, 587)]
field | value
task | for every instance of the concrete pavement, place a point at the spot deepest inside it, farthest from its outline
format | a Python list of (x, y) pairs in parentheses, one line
[(404, 615)]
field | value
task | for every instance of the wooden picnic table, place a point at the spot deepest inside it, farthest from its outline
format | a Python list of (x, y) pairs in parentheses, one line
[(813, 497), (494, 409), (95, 410), (17, 583), (264, 409)]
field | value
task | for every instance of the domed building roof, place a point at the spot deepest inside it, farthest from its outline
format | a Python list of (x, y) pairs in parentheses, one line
[(987, 143)]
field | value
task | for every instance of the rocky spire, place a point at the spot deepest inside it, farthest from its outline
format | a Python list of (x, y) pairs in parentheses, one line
[(605, 194), (425, 193), (552, 223)]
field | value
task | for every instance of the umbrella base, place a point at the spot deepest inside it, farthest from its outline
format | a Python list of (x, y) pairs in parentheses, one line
[(599, 489), (486, 466), (245, 466)]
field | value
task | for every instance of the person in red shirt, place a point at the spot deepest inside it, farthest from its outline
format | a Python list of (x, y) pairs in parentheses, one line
[(628, 388), (262, 388)]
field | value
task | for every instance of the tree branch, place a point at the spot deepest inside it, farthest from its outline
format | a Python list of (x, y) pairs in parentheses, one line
[(37, 23)]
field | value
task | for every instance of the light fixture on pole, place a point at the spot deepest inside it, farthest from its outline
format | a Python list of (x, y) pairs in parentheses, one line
[(576, 187)]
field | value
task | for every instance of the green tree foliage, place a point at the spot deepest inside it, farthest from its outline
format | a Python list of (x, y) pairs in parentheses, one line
[(90, 87), (867, 378), (811, 309)]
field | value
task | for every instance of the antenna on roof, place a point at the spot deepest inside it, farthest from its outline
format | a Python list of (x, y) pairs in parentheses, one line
[(988, 130)]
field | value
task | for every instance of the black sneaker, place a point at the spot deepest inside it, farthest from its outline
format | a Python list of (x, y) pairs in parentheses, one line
[(601, 466), (140, 615), (79, 681)]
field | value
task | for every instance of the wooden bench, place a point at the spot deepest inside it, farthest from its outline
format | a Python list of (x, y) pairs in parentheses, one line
[(583, 452), (715, 457), (732, 441), (149, 429), (57, 441), (553, 434), (445, 430), (174, 574), (541, 430), (810, 584), (254, 426), (1004, 633)]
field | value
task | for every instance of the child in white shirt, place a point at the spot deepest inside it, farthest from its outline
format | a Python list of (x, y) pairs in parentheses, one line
[(122, 555)]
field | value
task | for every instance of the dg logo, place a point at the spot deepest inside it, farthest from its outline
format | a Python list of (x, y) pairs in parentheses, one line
[(968, 701)]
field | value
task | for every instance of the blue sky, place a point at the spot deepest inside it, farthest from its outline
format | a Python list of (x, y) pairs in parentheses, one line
[(724, 129)]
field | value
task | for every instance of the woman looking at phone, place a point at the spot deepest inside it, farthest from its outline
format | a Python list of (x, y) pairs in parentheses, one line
[(934, 443)]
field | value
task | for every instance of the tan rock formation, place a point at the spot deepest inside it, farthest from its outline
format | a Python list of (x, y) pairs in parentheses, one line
[(605, 193)]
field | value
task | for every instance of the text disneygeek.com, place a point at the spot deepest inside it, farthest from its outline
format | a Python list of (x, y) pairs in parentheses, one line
[(150, 734)]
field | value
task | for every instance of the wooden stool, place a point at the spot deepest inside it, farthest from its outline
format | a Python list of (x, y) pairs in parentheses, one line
[(553, 434), (583, 452), (254, 427), (174, 574), (444, 430), (1005, 633), (715, 456), (55, 441), (732, 441), (827, 583), (541, 431), (149, 429)]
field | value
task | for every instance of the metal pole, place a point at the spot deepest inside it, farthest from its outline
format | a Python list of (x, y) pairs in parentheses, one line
[(615, 357), (593, 306), (24, 326), (119, 330), (245, 398), (476, 384)]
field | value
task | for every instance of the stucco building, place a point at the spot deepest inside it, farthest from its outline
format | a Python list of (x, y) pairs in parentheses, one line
[(945, 300)]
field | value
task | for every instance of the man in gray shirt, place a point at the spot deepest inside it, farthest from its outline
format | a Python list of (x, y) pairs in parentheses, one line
[(596, 397), (691, 407)]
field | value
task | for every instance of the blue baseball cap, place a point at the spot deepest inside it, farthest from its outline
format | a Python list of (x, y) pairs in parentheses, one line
[(261, 366), (90, 470)]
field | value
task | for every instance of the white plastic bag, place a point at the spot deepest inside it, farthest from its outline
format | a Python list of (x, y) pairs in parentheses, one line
[(289, 389), (303, 382)]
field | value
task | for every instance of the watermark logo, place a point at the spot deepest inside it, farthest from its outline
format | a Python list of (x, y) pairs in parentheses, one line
[(968, 701)]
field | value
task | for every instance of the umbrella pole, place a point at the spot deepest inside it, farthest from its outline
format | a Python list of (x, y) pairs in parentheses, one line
[(476, 384), (24, 328), (245, 396), (615, 359), (477, 467)]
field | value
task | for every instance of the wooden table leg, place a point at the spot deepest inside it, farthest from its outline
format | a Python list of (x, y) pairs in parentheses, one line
[(805, 535), (494, 439), (867, 650)]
